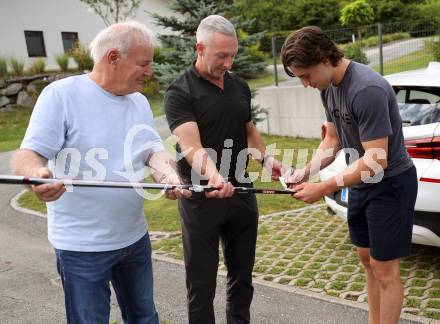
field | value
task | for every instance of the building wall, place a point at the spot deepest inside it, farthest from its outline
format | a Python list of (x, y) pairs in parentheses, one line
[(293, 111), (56, 16)]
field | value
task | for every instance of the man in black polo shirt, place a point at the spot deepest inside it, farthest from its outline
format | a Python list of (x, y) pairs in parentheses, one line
[(208, 108)]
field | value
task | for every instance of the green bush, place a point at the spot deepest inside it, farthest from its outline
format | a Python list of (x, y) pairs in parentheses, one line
[(17, 66), (250, 62), (38, 66), (254, 53), (433, 47), (151, 89), (424, 18), (63, 61), (3, 67), (373, 41), (396, 36), (37, 86), (354, 52), (158, 56), (258, 113), (81, 56)]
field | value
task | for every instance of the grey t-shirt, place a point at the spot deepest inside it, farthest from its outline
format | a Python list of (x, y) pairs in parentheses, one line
[(363, 108)]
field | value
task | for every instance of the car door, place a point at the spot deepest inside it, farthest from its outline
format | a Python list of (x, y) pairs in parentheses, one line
[(420, 111)]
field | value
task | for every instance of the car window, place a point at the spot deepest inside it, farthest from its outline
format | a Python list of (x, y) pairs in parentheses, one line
[(417, 96), (418, 106), (413, 114), (401, 95)]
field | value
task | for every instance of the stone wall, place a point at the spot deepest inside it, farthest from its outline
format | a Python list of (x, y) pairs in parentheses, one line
[(24, 91)]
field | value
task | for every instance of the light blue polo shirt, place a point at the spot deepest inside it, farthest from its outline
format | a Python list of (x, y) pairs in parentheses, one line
[(87, 133)]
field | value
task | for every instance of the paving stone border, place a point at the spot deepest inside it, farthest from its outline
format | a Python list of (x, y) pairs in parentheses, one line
[(154, 236)]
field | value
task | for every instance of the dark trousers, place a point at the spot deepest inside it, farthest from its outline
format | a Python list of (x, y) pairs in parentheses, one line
[(205, 222)]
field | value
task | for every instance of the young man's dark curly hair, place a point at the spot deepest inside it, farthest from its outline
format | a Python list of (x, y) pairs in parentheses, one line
[(307, 47)]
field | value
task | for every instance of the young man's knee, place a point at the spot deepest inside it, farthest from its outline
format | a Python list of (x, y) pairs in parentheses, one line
[(386, 272)]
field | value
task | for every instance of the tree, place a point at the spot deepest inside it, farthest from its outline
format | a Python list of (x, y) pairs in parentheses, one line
[(389, 11), (357, 14), (322, 13), (287, 15), (269, 15), (430, 9), (178, 49), (354, 52), (113, 11)]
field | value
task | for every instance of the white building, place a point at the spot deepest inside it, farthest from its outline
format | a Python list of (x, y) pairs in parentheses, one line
[(44, 28)]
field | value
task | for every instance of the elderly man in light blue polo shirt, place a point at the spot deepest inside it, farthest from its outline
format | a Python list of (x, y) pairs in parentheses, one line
[(98, 126)]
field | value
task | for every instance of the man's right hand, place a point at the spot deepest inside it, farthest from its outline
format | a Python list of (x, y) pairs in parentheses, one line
[(224, 189), (48, 191)]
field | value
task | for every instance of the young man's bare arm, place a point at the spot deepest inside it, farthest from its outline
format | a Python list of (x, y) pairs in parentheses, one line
[(324, 156), (373, 163)]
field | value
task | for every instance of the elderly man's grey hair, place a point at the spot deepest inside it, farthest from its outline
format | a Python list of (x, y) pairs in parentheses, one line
[(122, 37), (212, 24)]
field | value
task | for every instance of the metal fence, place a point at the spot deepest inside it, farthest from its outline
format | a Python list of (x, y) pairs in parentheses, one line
[(389, 48)]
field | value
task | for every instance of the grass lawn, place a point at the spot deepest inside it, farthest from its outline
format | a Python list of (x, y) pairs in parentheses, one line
[(13, 125), (266, 79), (29, 200), (413, 61), (162, 214)]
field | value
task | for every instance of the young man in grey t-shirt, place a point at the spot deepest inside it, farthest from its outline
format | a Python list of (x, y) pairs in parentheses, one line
[(362, 119)]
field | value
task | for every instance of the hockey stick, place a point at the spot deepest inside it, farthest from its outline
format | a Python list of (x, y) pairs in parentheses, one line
[(20, 180)]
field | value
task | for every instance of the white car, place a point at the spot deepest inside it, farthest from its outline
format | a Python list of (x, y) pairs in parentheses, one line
[(418, 95)]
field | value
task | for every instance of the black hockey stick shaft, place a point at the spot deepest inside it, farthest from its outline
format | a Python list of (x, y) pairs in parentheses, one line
[(20, 180)]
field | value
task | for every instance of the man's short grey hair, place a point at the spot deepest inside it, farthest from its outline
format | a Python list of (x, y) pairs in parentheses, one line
[(122, 37), (212, 24)]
